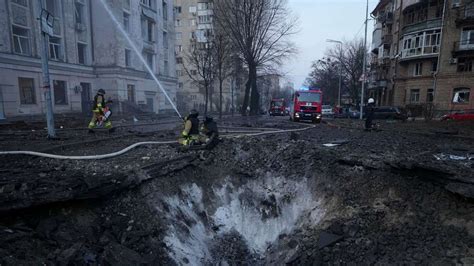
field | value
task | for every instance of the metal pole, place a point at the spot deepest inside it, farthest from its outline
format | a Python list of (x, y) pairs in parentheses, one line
[(340, 75), (232, 96), (46, 81), (364, 65)]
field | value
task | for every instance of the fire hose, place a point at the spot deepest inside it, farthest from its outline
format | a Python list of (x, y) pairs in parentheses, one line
[(133, 146)]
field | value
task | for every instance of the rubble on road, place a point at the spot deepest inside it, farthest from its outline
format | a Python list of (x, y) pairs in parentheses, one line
[(379, 198)]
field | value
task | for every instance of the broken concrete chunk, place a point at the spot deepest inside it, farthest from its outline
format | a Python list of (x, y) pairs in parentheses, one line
[(326, 239)]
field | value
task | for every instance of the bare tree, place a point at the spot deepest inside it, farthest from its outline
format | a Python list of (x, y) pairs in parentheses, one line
[(199, 66), (325, 76), (223, 61), (352, 63), (260, 30)]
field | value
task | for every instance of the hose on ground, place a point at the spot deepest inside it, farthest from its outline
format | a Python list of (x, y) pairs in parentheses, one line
[(133, 146)]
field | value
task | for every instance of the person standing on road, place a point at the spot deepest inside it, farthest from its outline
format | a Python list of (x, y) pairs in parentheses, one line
[(98, 112), (369, 114), (190, 133)]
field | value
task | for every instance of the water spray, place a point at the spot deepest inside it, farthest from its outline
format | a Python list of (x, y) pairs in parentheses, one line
[(140, 56)]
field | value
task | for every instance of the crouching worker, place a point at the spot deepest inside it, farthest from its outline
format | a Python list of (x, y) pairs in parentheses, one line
[(98, 112), (209, 133), (190, 134)]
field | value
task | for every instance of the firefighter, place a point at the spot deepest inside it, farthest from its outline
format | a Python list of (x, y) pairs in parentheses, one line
[(209, 132), (190, 134), (98, 112), (369, 114)]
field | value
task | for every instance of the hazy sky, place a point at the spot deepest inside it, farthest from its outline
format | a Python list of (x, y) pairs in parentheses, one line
[(321, 20)]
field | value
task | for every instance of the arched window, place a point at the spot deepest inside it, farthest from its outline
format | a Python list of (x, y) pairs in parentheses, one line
[(461, 95)]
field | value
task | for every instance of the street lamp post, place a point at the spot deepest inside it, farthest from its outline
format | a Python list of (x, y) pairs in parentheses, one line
[(340, 70), (364, 65)]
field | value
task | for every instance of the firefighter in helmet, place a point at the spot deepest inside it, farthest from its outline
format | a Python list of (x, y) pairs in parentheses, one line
[(190, 134), (209, 132), (98, 112)]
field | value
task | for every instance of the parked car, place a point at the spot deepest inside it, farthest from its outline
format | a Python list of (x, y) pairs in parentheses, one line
[(327, 110), (354, 114), (463, 115), (390, 112), (346, 112)]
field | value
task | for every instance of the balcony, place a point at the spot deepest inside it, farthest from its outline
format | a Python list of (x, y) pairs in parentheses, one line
[(465, 16), (385, 18), (463, 48), (420, 52), (428, 24)]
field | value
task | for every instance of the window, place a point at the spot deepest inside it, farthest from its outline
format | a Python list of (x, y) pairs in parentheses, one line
[(165, 39), (82, 53), (55, 48), (180, 85), (131, 93), (126, 21), (192, 9), (128, 58), (177, 9), (193, 72), (456, 3), (177, 23), (178, 49), (21, 2), (192, 22), (179, 60), (79, 12), (461, 95), (429, 95), (149, 59), (166, 68), (126, 4), (467, 39), (21, 40), (421, 43), (51, 7), (165, 11), (179, 35), (418, 69), (204, 6), (205, 19), (147, 30), (60, 93), (179, 73), (414, 96), (434, 66), (465, 64), (27, 90), (147, 3)]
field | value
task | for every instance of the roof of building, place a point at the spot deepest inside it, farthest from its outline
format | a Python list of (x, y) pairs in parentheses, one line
[(380, 5)]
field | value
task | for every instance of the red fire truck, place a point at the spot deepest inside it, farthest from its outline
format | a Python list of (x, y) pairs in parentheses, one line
[(277, 107), (306, 105)]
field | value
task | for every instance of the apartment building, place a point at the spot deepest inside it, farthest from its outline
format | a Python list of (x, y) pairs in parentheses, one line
[(422, 52), (86, 52), (194, 28)]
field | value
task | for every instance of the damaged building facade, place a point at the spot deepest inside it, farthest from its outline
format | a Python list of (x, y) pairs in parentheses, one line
[(86, 52), (423, 54)]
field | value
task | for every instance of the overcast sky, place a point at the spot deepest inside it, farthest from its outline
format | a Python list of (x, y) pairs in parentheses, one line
[(321, 20)]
